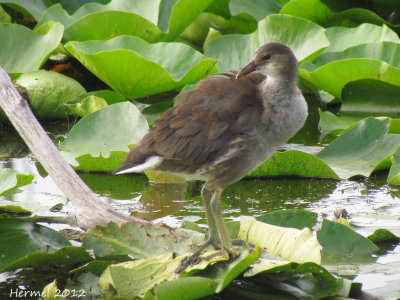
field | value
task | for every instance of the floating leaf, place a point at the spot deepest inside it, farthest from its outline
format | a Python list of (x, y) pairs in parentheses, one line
[(24, 50), (11, 179), (135, 68), (48, 91)]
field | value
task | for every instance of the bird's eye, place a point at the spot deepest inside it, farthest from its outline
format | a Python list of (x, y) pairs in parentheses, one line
[(267, 57)]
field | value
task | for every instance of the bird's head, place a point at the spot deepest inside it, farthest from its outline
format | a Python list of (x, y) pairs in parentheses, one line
[(274, 60)]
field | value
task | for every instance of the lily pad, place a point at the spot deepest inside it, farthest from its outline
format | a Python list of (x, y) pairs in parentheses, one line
[(294, 162), (360, 149), (11, 179), (110, 129), (48, 92), (135, 68), (305, 38), (20, 238), (24, 50)]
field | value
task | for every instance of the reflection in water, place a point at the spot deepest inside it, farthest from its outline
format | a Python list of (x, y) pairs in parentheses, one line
[(160, 199)]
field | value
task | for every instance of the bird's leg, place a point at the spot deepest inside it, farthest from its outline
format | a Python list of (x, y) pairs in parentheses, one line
[(213, 236), (220, 224)]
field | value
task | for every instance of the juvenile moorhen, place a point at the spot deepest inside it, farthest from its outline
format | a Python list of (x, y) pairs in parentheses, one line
[(224, 129)]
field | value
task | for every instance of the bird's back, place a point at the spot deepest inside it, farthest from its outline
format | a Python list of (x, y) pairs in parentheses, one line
[(195, 133)]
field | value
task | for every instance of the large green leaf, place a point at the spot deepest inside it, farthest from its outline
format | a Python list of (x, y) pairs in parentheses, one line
[(24, 50), (150, 20), (294, 162), (135, 68), (360, 149), (110, 129), (48, 92), (11, 179), (305, 38), (20, 238), (333, 76)]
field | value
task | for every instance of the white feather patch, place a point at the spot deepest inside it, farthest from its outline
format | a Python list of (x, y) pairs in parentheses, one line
[(150, 163)]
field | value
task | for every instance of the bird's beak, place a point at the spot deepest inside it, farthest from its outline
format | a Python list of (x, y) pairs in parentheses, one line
[(250, 67)]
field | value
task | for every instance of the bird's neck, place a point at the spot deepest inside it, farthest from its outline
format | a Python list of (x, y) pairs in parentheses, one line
[(277, 89)]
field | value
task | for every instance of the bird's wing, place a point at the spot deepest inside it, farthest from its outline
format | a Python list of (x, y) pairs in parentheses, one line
[(200, 127)]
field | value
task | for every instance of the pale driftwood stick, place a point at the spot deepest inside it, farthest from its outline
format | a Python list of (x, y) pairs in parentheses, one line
[(90, 210)]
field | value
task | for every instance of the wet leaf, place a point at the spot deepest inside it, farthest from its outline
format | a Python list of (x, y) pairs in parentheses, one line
[(11, 179)]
